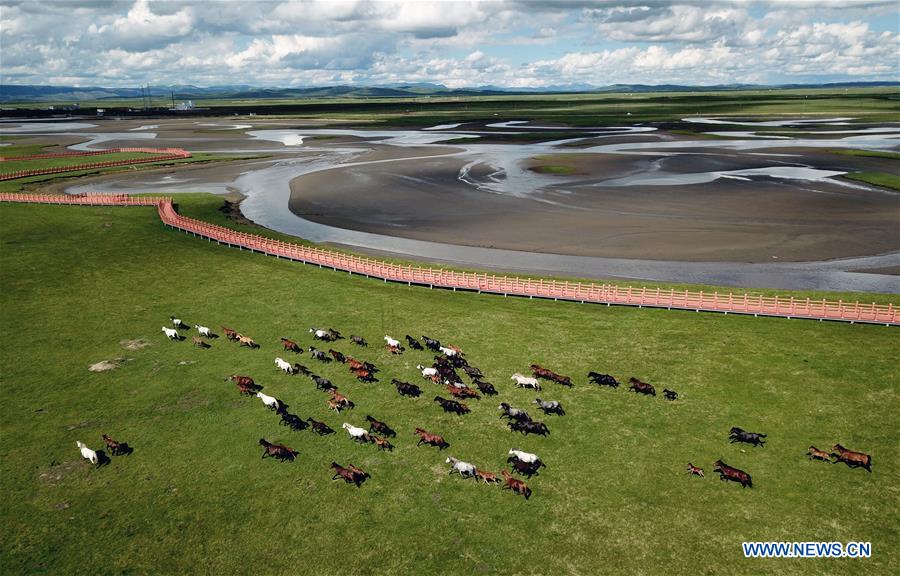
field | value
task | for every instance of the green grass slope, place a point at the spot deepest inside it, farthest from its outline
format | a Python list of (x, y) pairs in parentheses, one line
[(196, 497)]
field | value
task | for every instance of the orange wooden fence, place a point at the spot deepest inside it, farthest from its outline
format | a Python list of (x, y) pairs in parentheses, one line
[(788, 307), (158, 155)]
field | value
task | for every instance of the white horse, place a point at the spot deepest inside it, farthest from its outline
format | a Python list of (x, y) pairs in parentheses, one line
[(269, 401), (391, 342), (285, 366), (203, 330), (358, 434), (320, 334), (525, 381), (87, 453), (448, 352), (526, 457), (176, 322), (171, 333), (428, 373), (464, 468)]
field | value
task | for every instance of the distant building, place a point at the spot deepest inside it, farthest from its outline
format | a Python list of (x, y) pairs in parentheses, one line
[(184, 106)]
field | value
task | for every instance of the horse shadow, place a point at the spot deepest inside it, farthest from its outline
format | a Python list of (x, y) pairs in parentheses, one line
[(124, 449), (102, 459)]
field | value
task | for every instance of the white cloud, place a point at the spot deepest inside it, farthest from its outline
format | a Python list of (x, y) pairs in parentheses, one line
[(459, 43)]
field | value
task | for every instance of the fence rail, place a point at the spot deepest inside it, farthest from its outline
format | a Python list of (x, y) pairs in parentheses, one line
[(159, 155), (757, 305)]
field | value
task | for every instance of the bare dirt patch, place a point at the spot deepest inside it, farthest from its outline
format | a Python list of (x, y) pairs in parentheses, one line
[(57, 472), (136, 344), (107, 365)]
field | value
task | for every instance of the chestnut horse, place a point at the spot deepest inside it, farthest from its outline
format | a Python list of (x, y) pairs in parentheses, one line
[(851, 458), (726, 472), (515, 485), (431, 439)]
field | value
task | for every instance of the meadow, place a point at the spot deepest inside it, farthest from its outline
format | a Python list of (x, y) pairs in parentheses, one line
[(81, 285)]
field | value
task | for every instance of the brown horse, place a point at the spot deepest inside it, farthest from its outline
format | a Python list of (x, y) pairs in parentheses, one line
[(382, 443), (116, 448), (726, 472), (431, 439), (515, 485), (816, 454), (851, 458), (291, 346), (352, 475), (279, 451), (694, 470), (230, 333), (320, 428), (459, 392), (486, 477), (247, 341), (338, 357), (239, 380), (541, 372), (199, 342), (642, 387)]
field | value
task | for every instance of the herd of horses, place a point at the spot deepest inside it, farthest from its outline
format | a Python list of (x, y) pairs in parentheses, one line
[(444, 372)]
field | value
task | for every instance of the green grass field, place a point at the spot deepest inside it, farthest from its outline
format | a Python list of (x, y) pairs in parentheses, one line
[(196, 497)]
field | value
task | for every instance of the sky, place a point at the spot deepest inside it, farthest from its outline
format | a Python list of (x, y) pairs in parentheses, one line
[(506, 43)]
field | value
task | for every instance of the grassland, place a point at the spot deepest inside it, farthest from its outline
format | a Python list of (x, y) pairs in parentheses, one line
[(878, 104), (877, 178), (196, 497), (33, 183)]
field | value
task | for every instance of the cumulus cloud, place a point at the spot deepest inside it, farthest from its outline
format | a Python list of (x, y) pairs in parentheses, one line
[(515, 43)]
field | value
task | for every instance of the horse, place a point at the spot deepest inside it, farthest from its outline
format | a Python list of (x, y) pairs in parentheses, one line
[(356, 433), (603, 379), (525, 382), (359, 341), (171, 333), (247, 341), (320, 428), (203, 331), (291, 346), (391, 343), (726, 472), (431, 343), (452, 405), (380, 427), (352, 475), (464, 468), (529, 427), (230, 333), (526, 457), (323, 383), (407, 389), (431, 439), (284, 366), (238, 379), (540, 372), (550, 406), (115, 447), (524, 468), (178, 324), (318, 354), (382, 443), (816, 454), (460, 392), (200, 342), (670, 394), (486, 388), (486, 477), (270, 401), (338, 357), (279, 451), (641, 387), (851, 458), (323, 335), (694, 471), (513, 413), (87, 453), (738, 435), (515, 485), (413, 343), (473, 372)]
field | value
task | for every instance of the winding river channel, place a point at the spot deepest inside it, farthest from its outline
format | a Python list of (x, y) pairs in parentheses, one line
[(265, 183)]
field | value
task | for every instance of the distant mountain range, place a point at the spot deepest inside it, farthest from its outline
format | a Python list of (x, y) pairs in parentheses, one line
[(162, 95)]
